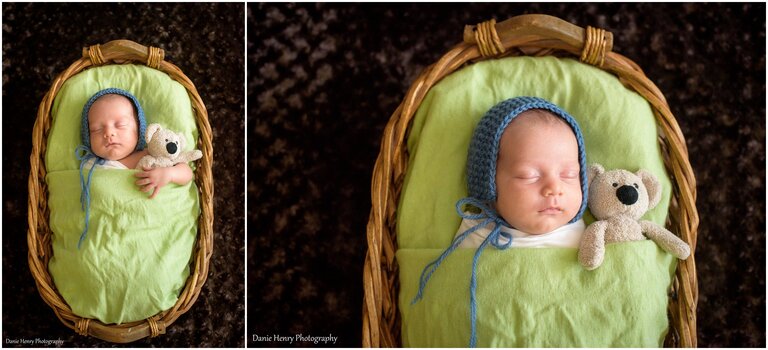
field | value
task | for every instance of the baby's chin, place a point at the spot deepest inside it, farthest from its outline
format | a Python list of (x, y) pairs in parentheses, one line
[(110, 158), (542, 226)]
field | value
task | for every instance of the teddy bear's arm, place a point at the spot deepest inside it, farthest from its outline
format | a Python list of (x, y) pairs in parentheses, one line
[(666, 240), (146, 161), (592, 246), (190, 156)]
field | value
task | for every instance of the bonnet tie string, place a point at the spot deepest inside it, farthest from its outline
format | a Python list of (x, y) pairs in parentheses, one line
[(84, 155), (488, 216)]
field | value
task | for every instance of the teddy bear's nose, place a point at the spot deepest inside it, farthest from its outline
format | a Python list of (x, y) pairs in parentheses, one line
[(170, 147), (627, 194)]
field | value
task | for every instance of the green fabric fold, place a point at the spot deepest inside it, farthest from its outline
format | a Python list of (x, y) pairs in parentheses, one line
[(135, 260), (539, 297), (528, 297)]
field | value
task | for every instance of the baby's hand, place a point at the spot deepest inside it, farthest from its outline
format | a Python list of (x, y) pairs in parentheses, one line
[(152, 180)]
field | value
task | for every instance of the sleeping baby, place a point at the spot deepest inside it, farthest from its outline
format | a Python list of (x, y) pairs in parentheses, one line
[(114, 123), (527, 182), (112, 132), (120, 258), (538, 184)]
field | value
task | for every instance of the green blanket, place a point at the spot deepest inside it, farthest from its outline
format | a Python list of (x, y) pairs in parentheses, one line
[(135, 258), (618, 126), (528, 297), (535, 297)]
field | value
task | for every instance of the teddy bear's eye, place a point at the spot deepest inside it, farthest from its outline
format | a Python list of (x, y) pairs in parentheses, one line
[(615, 185), (636, 186), (166, 140)]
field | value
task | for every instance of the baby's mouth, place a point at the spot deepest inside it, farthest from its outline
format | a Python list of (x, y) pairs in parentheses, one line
[(551, 210)]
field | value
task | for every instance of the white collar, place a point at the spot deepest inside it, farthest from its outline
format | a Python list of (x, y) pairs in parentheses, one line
[(566, 236), (577, 225)]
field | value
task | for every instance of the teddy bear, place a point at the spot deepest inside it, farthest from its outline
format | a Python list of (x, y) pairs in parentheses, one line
[(617, 199), (165, 149)]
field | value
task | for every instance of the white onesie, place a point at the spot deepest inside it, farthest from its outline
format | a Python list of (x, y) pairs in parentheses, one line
[(566, 236), (108, 164)]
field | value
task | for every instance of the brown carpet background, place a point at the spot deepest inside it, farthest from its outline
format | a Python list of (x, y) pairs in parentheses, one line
[(323, 80)]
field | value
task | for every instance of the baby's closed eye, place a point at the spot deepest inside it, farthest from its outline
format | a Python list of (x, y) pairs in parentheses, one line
[(569, 174), (527, 175)]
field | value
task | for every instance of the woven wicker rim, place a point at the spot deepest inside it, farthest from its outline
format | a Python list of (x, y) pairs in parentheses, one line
[(39, 233), (531, 35)]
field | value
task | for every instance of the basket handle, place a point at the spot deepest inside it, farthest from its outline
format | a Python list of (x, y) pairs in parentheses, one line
[(124, 50), (494, 38)]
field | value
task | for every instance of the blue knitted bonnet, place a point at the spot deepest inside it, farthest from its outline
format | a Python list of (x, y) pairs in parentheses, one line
[(84, 153), (85, 132), (484, 147)]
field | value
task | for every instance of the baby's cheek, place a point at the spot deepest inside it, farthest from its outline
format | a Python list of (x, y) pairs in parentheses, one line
[(576, 198)]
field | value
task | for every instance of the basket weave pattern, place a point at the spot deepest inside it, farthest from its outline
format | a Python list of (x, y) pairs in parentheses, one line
[(39, 233), (531, 35)]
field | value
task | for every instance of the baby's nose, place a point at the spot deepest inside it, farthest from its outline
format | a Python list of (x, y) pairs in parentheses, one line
[(552, 188)]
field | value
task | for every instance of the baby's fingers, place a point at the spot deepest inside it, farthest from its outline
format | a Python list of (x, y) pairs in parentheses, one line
[(155, 192), (144, 173), (148, 188)]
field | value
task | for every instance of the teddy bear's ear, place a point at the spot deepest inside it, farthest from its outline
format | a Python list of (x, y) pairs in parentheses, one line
[(151, 130), (593, 171), (652, 185)]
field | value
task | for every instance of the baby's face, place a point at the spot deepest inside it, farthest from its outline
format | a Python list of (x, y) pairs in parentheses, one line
[(537, 174), (113, 128)]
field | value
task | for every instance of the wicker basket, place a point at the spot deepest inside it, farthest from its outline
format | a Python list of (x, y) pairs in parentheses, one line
[(532, 35), (39, 234)]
